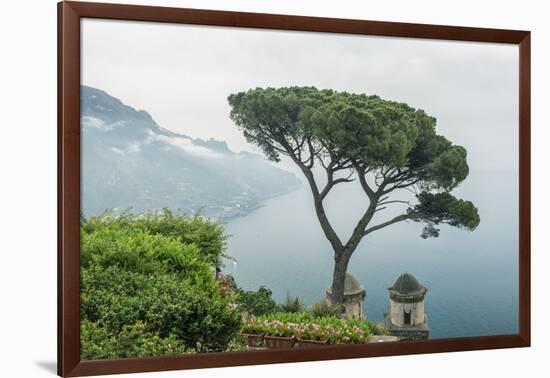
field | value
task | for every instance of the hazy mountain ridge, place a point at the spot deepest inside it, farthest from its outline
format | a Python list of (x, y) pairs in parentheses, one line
[(129, 161)]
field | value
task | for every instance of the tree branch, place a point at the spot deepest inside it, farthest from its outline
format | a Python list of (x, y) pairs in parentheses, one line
[(313, 153), (362, 179), (398, 218), (394, 201), (330, 169), (327, 228)]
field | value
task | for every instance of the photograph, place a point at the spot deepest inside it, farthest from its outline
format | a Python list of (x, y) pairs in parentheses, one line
[(276, 188), (249, 189)]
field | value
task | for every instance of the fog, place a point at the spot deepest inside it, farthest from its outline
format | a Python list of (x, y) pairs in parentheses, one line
[(183, 74)]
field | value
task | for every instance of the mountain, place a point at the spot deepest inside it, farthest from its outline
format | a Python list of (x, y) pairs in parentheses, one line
[(129, 161)]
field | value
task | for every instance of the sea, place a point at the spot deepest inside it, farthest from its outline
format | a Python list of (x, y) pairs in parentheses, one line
[(471, 276)]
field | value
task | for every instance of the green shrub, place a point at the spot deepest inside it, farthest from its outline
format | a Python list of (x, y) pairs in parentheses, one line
[(203, 319), (376, 329), (292, 305), (133, 341), (208, 236), (137, 251), (238, 344), (140, 284), (256, 302), (322, 308)]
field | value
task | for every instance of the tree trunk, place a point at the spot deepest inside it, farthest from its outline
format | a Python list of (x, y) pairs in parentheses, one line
[(341, 261), (342, 253)]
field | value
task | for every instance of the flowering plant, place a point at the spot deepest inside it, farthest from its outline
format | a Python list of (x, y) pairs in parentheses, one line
[(302, 325), (278, 328), (315, 332), (254, 328), (269, 328)]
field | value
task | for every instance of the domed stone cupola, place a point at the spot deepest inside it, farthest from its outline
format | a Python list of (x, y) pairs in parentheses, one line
[(354, 296), (406, 318), (407, 289)]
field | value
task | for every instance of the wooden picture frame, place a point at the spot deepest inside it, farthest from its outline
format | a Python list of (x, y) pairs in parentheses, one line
[(69, 18)]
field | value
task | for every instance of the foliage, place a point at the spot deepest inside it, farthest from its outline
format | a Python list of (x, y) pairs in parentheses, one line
[(206, 235), (278, 328), (133, 341), (254, 327), (335, 332), (141, 286), (238, 344), (257, 302), (292, 305), (324, 309), (439, 208), (375, 328), (310, 327), (135, 250), (363, 130), (250, 302), (289, 317), (390, 141)]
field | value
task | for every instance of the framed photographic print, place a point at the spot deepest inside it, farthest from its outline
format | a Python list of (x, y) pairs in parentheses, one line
[(240, 188)]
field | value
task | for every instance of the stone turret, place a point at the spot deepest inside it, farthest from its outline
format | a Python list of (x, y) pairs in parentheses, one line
[(406, 318), (354, 297)]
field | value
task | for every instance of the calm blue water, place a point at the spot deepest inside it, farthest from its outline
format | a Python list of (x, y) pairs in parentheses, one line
[(472, 277)]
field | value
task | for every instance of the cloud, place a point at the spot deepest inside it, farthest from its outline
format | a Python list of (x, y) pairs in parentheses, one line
[(183, 144), (118, 151), (96, 123), (93, 122), (133, 147)]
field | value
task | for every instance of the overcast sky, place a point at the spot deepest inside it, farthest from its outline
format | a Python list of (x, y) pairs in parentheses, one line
[(182, 76)]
